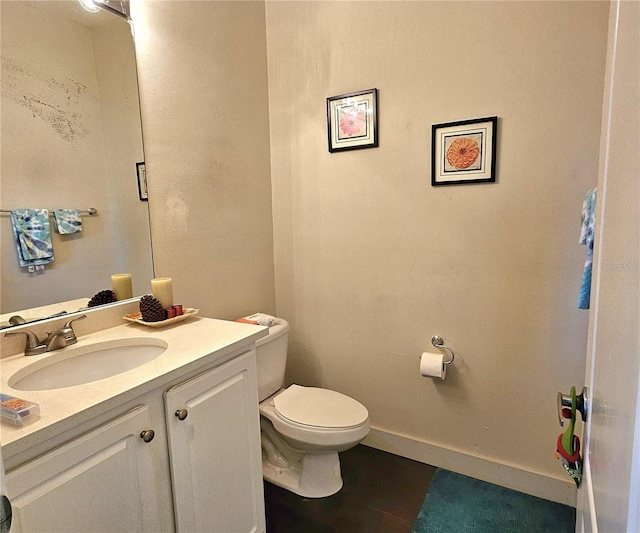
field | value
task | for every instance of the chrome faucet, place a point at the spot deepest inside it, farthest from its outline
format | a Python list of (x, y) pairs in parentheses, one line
[(59, 338)]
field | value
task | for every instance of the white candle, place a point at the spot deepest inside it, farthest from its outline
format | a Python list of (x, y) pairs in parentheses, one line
[(162, 290), (121, 284)]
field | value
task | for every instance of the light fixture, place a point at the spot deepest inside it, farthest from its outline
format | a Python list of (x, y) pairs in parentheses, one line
[(89, 6)]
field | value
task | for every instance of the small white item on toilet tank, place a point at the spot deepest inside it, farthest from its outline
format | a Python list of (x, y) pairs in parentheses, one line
[(432, 365), (260, 319)]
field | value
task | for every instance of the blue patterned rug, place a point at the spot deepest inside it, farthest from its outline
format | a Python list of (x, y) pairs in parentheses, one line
[(461, 504)]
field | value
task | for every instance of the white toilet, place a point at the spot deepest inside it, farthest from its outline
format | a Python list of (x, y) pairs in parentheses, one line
[(303, 428)]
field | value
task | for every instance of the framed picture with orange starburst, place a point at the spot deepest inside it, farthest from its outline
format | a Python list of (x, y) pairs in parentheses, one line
[(464, 151), (352, 120)]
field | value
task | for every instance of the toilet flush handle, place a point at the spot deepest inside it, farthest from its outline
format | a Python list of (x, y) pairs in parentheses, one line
[(181, 414)]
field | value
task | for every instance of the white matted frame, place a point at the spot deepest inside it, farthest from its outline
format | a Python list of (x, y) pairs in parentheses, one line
[(352, 120), (464, 151)]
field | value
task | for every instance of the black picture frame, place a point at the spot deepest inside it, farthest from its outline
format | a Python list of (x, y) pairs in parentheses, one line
[(352, 121), (464, 152), (141, 171)]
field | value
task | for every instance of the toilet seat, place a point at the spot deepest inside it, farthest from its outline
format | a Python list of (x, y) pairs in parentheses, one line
[(314, 407), (298, 431)]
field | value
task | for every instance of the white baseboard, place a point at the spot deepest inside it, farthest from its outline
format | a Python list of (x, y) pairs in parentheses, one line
[(506, 475)]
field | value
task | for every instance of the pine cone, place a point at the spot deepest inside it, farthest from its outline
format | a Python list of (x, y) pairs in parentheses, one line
[(151, 309), (103, 297)]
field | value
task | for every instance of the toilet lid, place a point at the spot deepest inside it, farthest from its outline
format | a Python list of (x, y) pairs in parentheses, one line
[(316, 407)]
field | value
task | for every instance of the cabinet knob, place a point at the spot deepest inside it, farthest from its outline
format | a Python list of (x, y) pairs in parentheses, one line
[(147, 435), (182, 414)]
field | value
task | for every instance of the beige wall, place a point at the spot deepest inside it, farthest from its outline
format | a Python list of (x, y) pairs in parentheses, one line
[(204, 99), (371, 261)]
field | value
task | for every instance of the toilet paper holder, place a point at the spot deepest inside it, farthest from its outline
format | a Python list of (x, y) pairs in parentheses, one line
[(438, 342)]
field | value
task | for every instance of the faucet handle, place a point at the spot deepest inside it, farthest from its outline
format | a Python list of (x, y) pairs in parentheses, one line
[(33, 346), (17, 320), (68, 324), (64, 336)]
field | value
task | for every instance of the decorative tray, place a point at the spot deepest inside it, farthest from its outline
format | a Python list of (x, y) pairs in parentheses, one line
[(137, 318)]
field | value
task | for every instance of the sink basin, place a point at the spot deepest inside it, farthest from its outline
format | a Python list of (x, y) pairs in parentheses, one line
[(76, 365)]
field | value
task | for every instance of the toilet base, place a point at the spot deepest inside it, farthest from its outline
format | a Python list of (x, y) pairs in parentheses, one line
[(316, 476), (312, 475)]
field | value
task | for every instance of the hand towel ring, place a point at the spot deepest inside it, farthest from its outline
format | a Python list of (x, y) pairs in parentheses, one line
[(438, 342)]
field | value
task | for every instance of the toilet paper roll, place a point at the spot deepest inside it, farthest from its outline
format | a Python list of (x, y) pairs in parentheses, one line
[(432, 365)]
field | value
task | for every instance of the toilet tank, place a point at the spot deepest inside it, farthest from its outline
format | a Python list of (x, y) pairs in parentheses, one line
[(271, 356)]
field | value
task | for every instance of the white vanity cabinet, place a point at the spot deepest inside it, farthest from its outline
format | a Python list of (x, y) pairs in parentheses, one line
[(214, 449), (103, 481), (200, 471)]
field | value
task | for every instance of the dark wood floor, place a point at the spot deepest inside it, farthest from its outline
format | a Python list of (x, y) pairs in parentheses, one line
[(382, 493)]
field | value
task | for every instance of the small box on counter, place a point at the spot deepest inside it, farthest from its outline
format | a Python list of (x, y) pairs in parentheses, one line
[(17, 411)]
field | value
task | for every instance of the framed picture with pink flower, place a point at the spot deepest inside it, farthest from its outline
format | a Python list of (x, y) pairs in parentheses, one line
[(352, 120), (464, 152)]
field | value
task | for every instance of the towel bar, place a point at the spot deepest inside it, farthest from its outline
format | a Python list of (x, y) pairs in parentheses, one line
[(91, 211)]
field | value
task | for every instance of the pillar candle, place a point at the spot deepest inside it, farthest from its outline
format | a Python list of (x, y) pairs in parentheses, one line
[(121, 284), (162, 290)]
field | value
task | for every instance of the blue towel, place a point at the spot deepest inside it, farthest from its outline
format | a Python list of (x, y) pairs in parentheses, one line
[(586, 237), (67, 221), (32, 233)]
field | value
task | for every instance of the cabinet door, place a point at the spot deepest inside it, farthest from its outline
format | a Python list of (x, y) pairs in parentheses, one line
[(215, 455), (102, 481)]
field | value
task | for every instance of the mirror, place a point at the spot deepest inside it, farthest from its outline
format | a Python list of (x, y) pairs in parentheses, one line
[(71, 138)]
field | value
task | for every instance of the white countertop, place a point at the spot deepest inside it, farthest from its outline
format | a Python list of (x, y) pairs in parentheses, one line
[(192, 343)]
